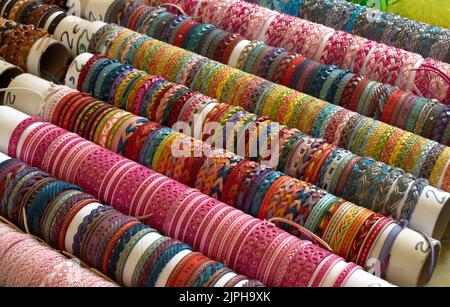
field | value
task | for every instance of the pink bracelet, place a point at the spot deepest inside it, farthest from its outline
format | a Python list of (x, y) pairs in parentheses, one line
[(55, 164), (280, 24), (208, 226), (281, 240), (349, 269), (223, 231), (407, 73), (303, 265), (313, 41), (17, 133), (215, 11), (30, 138), (110, 182), (288, 258), (39, 150), (56, 149), (194, 221), (225, 246), (148, 187), (373, 59), (392, 65), (159, 203), (212, 231), (257, 22), (336, 48), (75, 158), (278, 258), (140, 191), (325, 269), (430, 83), (361, 55), (352, 52), (296, 37)]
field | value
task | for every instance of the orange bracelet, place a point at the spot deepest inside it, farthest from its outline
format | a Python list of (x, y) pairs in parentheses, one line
[(357, 93), (316, 162), (347, 242), (390, 145), (291, 70), (182, 273), (390, 105), (269, 194)]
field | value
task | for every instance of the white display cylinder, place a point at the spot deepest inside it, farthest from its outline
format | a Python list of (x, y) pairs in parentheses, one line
[(48, 58), (75, 33), (9, 119), (7, 73), (95, 10), (3, 157), (29, 102)]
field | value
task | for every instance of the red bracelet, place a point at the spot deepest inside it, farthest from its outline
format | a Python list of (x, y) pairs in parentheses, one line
[(182, 32), (85, 69), (291, 70), (390, 105), (357, 94)]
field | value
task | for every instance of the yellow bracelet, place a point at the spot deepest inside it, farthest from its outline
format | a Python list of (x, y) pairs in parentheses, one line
[(344, 226), (399, 147), (374, 138), (114, 50), (293, 104), (227, 77), (121, 87), (438, 168), (356, 224), (335, 220), (160, 66), (415, 154), (161, 147), (270, 100), (307, 117)]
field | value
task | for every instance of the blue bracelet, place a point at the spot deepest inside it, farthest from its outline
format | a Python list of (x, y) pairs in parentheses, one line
[(41, 201), (162, 261), (82, 228), (120, 245), (149, 95), (206, 275)]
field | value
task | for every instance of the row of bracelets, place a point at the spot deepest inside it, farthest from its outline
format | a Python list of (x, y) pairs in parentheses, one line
[(326, 82), (418, 37), (359, 134), (26, 262), (246, 185), (334, 169), (250, 246), (128, 251), (32, 12), (17, 40), (379, 62)]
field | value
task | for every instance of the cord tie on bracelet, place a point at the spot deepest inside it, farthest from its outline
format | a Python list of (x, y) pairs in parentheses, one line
[(313, 237), (440, 73)]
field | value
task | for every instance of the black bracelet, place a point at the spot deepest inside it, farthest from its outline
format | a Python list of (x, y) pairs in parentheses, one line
[(55, 22)]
